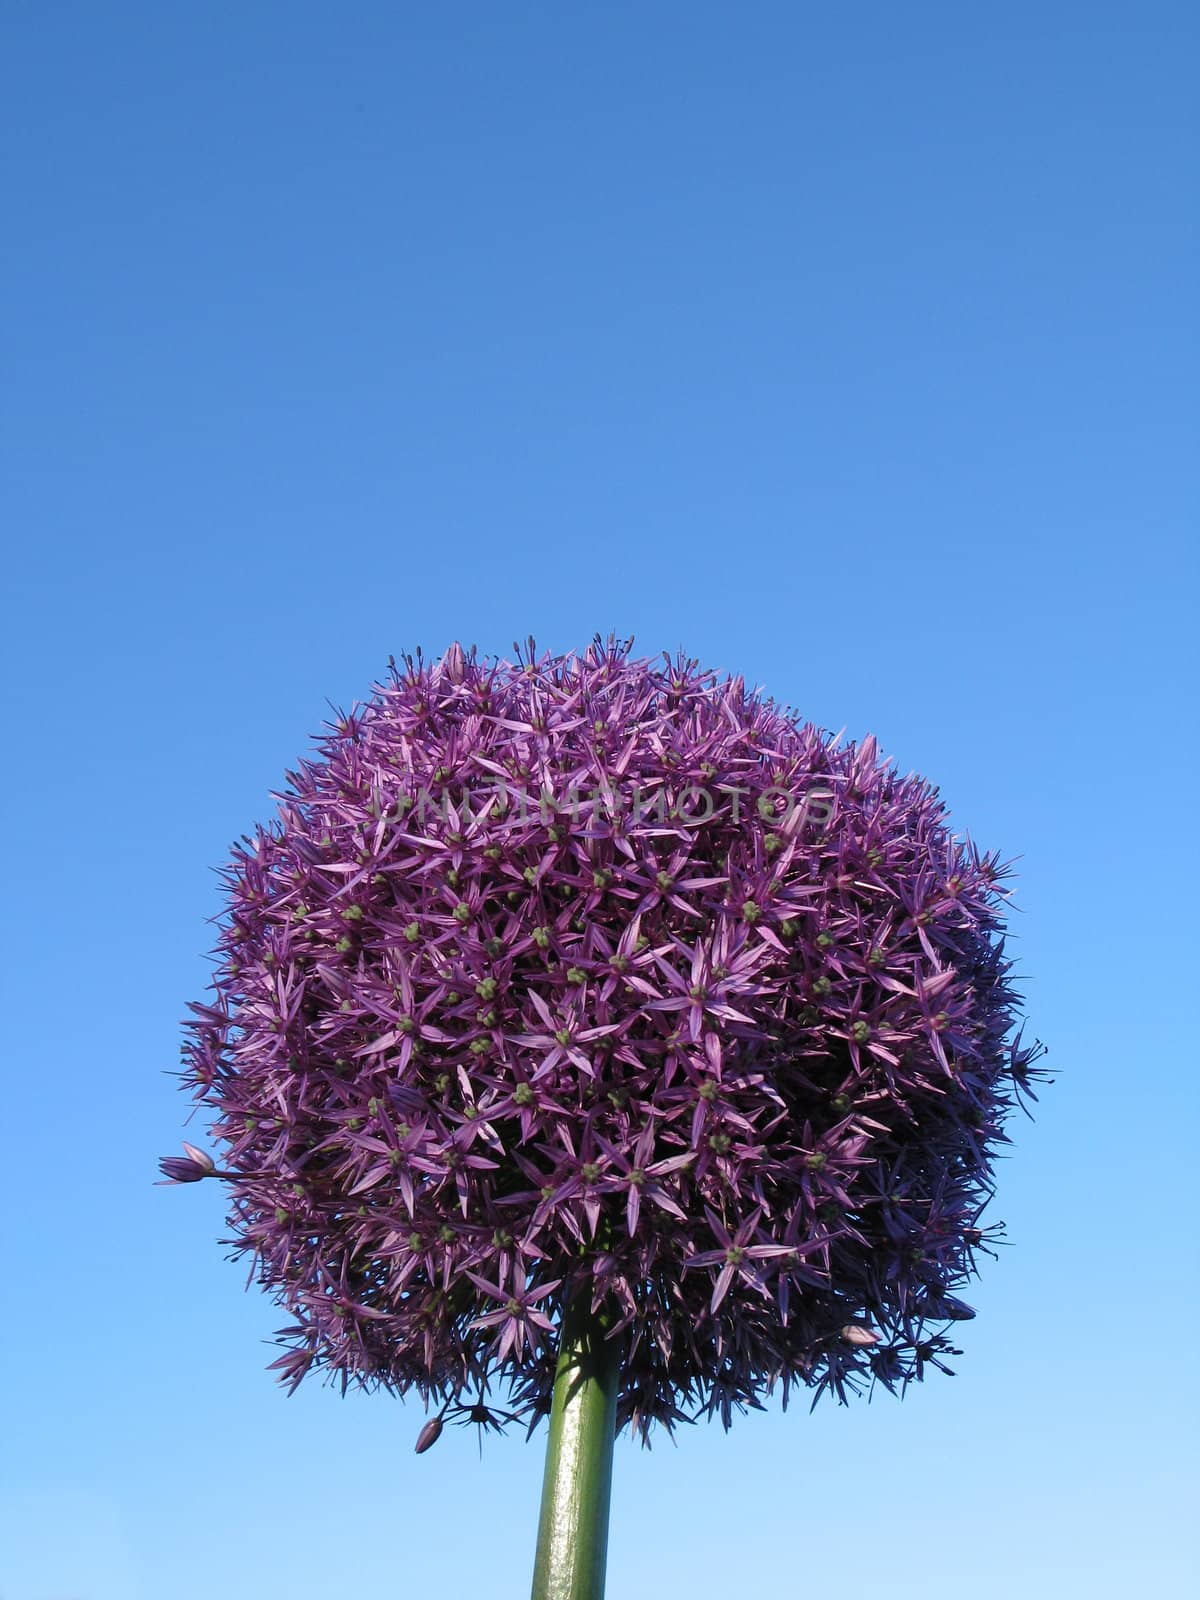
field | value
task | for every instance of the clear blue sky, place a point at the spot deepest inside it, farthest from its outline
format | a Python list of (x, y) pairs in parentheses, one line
[(852, 348)]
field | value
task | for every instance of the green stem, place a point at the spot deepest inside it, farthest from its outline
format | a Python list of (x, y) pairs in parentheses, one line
[(572, 1541)]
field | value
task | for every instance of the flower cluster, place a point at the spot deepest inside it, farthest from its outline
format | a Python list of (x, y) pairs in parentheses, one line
[(734, 1071)]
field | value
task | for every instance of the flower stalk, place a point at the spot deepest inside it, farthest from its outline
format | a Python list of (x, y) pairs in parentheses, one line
[(572, 1545)]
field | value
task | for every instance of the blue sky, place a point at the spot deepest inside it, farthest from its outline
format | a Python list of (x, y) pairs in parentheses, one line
[(849, 348)]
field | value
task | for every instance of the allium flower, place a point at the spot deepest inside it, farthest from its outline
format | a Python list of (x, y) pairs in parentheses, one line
[(597, 978)]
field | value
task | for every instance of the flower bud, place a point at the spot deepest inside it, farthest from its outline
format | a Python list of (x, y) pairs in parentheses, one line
[(429, 1435), (956, 1310), (455, 665), (859, 1335), (189, 1168)]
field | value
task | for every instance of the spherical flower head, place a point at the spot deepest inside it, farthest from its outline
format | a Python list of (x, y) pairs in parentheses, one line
[(596, 976)]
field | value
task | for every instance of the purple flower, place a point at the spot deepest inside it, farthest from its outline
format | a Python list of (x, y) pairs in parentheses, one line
[(738, 1255), (594, 975), (517, 1316)]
